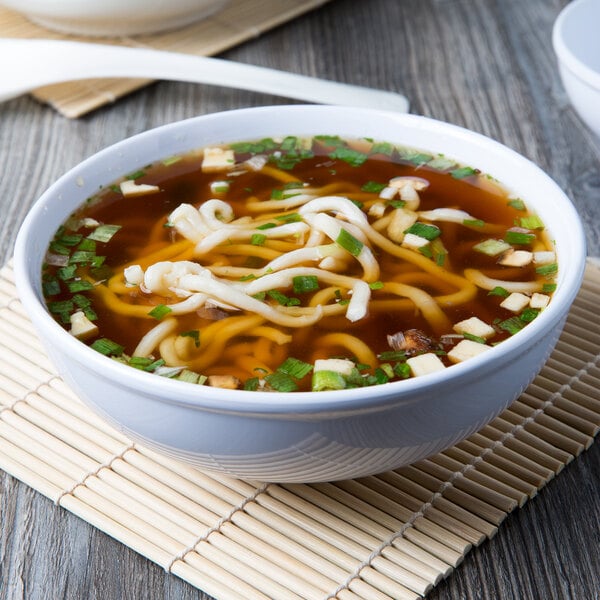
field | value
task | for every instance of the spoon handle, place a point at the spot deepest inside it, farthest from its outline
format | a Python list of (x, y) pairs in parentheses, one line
[(30, 63)]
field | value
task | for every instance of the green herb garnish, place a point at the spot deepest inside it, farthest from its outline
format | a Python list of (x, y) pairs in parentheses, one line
[(303, 284), (103, 233), (429, 232), (159, 311), (348, 242), (107, 347), (519, 237)]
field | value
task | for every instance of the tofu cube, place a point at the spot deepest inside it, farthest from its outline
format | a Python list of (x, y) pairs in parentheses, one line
[(217, 159), (475, 326), (539, 300), (414, 242), (466, 349), (424, 364), (339, 365), (81, 327), (516, 258), (546, 257), (377, 210), (516, 302), (131, 188)]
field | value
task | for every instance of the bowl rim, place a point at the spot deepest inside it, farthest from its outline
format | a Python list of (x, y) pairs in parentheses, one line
[(565, 55), (333, 402)]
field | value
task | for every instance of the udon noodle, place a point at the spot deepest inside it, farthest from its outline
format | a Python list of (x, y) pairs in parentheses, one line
[(299, 264)]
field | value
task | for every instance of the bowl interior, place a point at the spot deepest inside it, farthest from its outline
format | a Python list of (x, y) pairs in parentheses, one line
[(577, 39)]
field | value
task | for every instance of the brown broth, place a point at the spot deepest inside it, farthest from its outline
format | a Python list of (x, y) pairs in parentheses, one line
[(143, 219)]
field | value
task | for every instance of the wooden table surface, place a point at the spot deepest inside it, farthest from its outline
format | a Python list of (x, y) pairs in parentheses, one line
[(484, 64)]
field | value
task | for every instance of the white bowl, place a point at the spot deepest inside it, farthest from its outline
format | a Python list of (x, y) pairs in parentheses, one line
[(114, 17), (576, 40), (303, 436)]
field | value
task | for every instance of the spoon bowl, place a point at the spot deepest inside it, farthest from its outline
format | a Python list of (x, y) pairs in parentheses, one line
[(68, 61)]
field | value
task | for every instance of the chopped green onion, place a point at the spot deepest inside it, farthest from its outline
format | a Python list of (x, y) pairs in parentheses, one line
[(439, 252), (548, 288), (330, 140), (531, 222), (517, 204), (303, 284), (276, 194), (282, 299), (463, 172), (249, 277), (373, 187), (499, 291), (82, 257), (512, 325), (159, 311), (295, 368), (387, 369), (429, 232), (171, 160), (519, 237), (139, 362), (291, 218), (107, 347), (87, 245), (382, 148), (354, 158), (396, 203), (70, 239), (491, 247), (251, 384), (529, 314), (59, 248), (474, 338), (381, 376), (104, 233), (81, 301), (258, 239), (281, 382), (327, 380), (267, 226), (136, 175), (61, 306), (416, 158), (474, 222), (402, 370), (51, 287), (65, 273), (547, 270), (98, 261), (348, 242), (79, 286), (376, 285), (190, 377)]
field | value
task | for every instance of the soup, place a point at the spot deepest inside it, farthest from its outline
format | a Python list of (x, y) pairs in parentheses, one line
[(299, 264)]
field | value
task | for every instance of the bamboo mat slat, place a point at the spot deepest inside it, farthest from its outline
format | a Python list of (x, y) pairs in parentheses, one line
[(389, 536), (239, 21)]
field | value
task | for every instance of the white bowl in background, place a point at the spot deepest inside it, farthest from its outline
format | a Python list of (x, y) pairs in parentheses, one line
[(303, 436), (576, 41), (113, 18)]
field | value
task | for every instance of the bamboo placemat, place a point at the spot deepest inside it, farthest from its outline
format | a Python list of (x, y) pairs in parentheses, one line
[(391, 536), (239, 21)]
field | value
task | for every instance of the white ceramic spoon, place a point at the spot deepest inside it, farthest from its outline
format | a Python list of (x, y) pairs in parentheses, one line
[(26, 64)]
